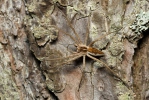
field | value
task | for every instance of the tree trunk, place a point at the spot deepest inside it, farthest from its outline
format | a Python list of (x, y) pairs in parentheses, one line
[(39, 59)]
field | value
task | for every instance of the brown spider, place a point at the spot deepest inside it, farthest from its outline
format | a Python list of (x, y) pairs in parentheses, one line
[(83, 49)]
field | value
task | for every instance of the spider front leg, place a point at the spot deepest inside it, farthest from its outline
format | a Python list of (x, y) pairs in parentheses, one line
[(109, 70), (71, 51)]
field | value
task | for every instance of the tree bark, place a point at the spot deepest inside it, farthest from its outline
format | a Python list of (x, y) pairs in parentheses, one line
[(32, 32)]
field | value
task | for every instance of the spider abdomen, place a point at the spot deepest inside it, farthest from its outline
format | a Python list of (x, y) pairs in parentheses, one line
[(94, 51)]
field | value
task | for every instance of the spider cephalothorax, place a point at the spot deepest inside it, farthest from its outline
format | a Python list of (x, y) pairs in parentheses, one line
[(81, 48)]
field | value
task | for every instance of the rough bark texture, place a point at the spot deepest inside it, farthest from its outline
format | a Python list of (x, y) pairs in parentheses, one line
[(29, 38)]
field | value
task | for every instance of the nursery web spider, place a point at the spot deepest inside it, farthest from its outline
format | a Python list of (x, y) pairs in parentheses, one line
[(83, 49)]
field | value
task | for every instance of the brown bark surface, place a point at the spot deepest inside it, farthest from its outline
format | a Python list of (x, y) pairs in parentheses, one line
[(29, 38)]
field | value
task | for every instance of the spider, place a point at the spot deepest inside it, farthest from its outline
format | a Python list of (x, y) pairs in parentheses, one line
[(83, 49)]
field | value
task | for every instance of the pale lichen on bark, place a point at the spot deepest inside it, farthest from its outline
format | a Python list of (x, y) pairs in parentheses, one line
[(33, 76)]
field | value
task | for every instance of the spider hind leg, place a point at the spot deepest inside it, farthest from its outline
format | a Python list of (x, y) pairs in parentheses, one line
[(112, 72)]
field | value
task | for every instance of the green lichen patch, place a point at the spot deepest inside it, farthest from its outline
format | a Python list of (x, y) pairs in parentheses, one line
[(116, 48), (8, 88), (41, 28), (54, 82), (123, 92), (43, 35)]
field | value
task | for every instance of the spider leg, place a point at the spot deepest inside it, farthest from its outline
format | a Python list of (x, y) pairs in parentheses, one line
[(69, 23), (97, 39), (72, 55), (70, 50), (83, 72), (84, 57), (67, 34), (74, 58), (87, 33), (58, 66), (109, 70)]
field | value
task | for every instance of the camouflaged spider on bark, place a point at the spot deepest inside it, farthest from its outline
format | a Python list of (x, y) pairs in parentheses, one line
[(83, 49)]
